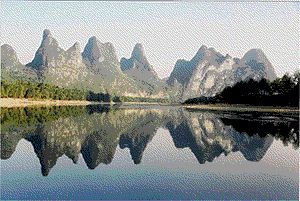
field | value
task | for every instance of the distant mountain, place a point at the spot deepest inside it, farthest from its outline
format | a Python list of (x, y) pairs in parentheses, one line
[(57, 66), (102, 61), (97, 68), (209, 72), (256, 65), (12, 69), (139, 69)]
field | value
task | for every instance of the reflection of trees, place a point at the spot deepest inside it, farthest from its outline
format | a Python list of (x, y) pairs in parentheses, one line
[(204, 151), (286, 131), (291, 138), (208, 136), (95, 132)]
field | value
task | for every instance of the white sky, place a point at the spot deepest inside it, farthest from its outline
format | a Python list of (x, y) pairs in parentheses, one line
[(168, 30)]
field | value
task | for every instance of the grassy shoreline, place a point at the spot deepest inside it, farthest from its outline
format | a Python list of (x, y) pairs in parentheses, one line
[(22, 102), (17, 102)]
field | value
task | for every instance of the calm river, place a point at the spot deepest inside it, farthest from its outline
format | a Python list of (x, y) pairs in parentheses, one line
[(147, 152)]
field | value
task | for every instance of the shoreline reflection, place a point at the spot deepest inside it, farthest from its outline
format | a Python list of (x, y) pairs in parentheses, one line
[(96, 131)]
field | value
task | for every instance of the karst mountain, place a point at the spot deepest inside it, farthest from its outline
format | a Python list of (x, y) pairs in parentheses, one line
[(138, 68), (97, 68), (209, 72)]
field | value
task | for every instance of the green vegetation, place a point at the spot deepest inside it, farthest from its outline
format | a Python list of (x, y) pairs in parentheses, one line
[(31, 90), (280, 92), (36, 115), (40, 91)]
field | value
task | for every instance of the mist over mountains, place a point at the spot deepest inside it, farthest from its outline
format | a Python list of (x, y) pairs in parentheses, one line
[(98, 69)]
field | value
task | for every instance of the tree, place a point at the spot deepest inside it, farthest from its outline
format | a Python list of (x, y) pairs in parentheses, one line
[(264, 87), (286, 83)]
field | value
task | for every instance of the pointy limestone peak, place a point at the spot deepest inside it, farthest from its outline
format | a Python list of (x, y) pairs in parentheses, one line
[(200, 53), (256, 51), (8, 53), (6, 46), (138, 52), (109, 44), (203, 48), (110, 47), (212, 49), (92, 49), (48, 39), (254, 54), (47, 33), (76, 46), (259, 63), (97, 51), (93, 40), (75, 49), (94, 43), (49, 50)]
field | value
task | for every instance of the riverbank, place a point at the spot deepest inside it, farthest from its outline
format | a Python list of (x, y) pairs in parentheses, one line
[(18, 102), (22, 102), (243, 108)]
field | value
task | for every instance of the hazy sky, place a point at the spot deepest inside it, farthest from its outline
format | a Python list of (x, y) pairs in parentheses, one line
[(168, 30)]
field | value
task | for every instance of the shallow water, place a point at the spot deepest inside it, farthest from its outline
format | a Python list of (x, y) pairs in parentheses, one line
[(147, 152)]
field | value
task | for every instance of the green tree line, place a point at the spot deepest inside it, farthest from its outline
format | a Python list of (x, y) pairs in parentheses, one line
[(40, 91), (282, 91), (38, 115), (30, 90)]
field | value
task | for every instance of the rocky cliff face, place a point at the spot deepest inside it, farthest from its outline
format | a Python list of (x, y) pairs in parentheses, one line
[(57, 66), (256, 65), (101, 59), (138, 68), (209, 72), (12, 69), (97, 68)]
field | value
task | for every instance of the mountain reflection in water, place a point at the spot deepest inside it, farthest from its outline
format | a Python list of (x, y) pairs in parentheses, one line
[(96, 131)]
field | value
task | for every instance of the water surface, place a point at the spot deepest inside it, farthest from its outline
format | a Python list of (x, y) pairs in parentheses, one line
[(147, 152)]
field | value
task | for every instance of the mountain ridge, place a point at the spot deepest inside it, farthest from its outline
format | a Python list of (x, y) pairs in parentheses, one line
[(138, 68), (96, 67), (209, 72)]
